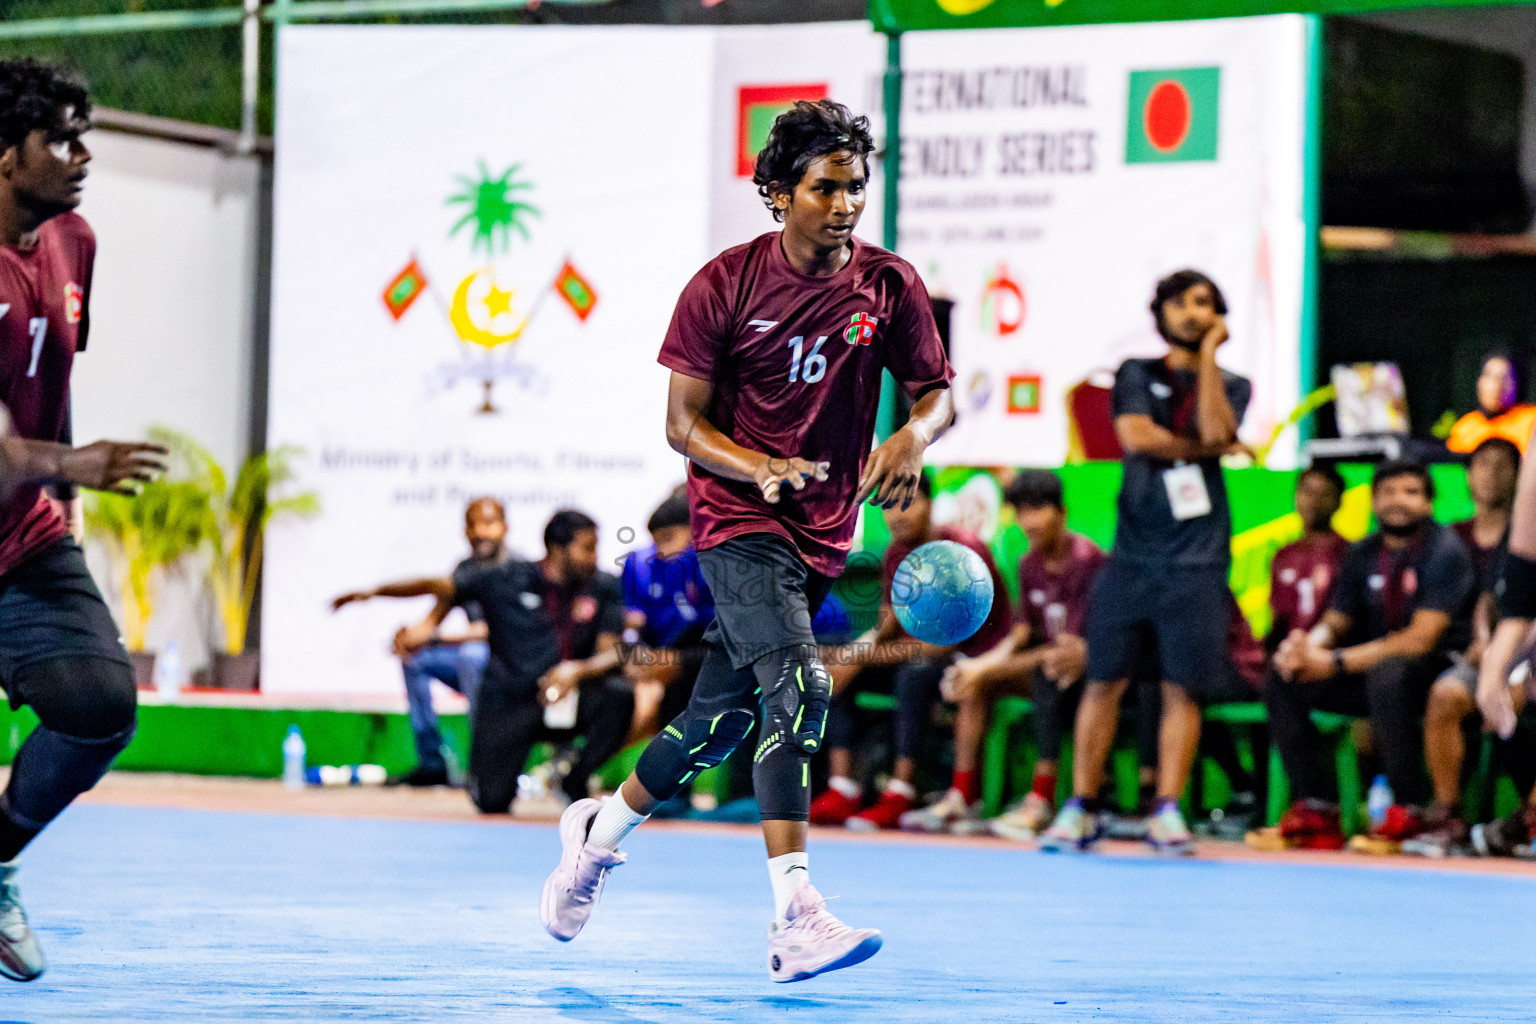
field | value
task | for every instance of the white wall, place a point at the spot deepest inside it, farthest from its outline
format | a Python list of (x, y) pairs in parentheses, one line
[(171, 318)]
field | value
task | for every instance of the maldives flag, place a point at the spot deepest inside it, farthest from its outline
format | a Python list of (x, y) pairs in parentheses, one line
[(757, 107), (1173, 115), (405, 289), (575, 290)]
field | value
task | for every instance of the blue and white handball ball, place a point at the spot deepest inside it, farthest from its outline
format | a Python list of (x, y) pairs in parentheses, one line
[(942, 592)]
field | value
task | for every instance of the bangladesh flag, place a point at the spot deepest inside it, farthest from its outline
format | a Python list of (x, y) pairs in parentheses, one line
[(574, 289), (757, 107), (1173, 115), (405, 289)]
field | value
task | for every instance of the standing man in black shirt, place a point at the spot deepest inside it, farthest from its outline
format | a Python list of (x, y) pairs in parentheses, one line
[(1402, 604), (457, 661), (554, 628), (1164, 588)]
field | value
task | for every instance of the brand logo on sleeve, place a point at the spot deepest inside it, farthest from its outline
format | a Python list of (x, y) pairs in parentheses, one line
[(74, 303), (861, 331)]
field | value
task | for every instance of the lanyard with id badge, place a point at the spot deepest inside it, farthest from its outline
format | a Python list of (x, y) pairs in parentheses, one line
[(1187, 495)]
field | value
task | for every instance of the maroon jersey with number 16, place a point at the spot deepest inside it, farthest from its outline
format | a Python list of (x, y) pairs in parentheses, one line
[(44, 289), (796, 363)]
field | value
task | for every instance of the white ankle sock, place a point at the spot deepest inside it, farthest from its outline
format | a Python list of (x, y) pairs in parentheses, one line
[(787, 872), (845, 786), (614, 821), (903, 788)]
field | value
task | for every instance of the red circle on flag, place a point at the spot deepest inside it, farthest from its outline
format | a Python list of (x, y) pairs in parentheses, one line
[(1166, 117)]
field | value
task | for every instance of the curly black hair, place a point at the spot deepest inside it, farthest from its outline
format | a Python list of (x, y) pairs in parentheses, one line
[(33, 95), (800, 135), (1176, 284)]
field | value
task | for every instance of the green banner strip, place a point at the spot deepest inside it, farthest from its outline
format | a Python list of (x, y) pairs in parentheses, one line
[(910, 15)]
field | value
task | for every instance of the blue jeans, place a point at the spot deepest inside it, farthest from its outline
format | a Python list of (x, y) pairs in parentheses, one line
[(460, 666)]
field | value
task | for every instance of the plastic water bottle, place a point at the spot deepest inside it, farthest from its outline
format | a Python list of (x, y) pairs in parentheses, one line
[(293, 758), (168, 673), (1378, 800)]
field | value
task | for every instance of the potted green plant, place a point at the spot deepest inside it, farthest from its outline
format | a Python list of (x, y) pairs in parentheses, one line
[(239, 514), (149, 531)]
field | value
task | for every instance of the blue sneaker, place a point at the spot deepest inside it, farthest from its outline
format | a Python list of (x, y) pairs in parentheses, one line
[(1075, 830)]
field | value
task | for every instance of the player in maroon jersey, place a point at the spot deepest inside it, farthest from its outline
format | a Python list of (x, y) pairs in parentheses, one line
[(59, 649), (777, 349), (1304, 571)]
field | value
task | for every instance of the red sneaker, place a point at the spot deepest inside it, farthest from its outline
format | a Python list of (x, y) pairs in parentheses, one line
[(1312, 825), (1402, 822), (885, 814), (833, 808)]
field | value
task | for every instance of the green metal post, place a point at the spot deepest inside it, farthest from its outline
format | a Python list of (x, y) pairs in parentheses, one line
[(1312, 215), (885, 418)]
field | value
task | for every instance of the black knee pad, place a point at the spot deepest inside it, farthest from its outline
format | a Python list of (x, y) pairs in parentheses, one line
[(796, 700), (689, 745), (84, 697)]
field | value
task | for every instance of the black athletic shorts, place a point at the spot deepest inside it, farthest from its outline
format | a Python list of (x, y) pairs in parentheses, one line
[(50, 608), (1178, 615), (765, 596)]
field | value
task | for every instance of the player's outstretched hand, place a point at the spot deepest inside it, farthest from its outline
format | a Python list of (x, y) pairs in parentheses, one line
[(118, 467), (890, 476), (346, 599), (774, 473)]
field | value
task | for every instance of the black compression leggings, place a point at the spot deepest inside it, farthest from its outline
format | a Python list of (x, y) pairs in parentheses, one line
[(86, 709)]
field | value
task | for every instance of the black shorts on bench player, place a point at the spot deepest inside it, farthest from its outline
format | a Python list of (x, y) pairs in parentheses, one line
[(777, 349)]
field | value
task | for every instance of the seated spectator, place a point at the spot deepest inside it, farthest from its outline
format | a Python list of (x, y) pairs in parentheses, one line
[(554, 629), (1499, 412), (918, 669), (1453, 698), (455, 660), (1303, 574), (1401, 605), (668, 606), (1044, 656)]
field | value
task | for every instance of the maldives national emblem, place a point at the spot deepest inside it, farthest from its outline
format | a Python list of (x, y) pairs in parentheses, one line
[(486, 315)]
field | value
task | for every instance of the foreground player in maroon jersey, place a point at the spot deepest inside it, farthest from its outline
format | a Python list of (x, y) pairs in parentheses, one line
[(59, 649), (776, 351)]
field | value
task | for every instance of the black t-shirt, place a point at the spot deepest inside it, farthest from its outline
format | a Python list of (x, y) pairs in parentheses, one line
[(534, 624), (1147, 531), (1380, 589), (472, 610)]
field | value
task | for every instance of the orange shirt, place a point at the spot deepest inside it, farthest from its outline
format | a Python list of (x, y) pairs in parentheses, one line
[(1514, 424)]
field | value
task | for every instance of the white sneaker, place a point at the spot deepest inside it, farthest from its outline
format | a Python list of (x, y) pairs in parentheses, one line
[(21, 958), (814, 942), (950, 814), (1024, 820), (571, 891)]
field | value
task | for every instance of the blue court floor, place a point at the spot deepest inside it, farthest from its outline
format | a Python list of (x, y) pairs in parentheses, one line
[(179, 915)]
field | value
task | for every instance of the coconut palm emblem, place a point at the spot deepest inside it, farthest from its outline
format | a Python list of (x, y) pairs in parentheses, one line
[(486, 313)]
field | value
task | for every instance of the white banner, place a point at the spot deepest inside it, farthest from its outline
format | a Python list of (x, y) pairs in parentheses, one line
[(759, 71), (480, 237), (1051, 176)]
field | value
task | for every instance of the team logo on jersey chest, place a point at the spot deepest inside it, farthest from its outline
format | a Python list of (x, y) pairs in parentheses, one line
[(74, 303), (861, 331)]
